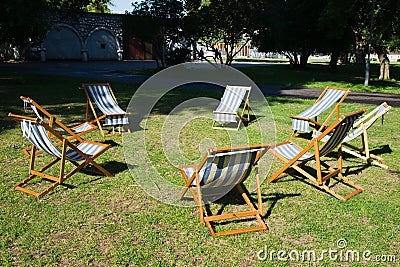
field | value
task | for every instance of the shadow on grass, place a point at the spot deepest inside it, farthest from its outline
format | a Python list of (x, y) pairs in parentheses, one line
[(332, 182), (253, 119), (280, 100), (318, 75), (112, 143), (234, 198), (383, 149), (113, 166), (395, 171)]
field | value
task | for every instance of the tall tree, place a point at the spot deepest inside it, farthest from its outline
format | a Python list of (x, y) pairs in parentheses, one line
[(336, 35), (386, 32), (232, 23), (163, 26), (290, 27), (98, 6), (22, 22)]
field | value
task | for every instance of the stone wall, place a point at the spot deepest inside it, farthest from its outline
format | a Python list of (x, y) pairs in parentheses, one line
[(92, 36)]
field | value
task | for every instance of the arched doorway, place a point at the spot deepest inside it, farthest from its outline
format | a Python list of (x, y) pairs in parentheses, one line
[(102, 45), (62, 42)]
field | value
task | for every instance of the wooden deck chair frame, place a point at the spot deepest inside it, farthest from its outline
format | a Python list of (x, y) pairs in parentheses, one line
[(57, 180), (318, 125), (240, 117), (253, 212), (364, 123), (99, 119), (298, 163), (361, 129), (52, 120)]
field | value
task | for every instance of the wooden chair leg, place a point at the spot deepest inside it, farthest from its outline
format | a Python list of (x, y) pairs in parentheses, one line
[(251, 213)]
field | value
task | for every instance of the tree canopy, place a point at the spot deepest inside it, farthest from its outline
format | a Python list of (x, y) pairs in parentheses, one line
[(23, 22), (232, 23), (297, 28), (163, 27), (302, 27)]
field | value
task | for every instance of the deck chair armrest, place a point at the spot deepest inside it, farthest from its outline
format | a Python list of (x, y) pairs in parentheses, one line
[(91, 123), (317, 133), (300, 118), (306, 119), (18, 118)]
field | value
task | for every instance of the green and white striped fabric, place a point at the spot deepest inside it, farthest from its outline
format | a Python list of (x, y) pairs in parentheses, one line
[(327, 100), (289, 150), (104, 100), (38, 136), (222, 171), (230, 103)]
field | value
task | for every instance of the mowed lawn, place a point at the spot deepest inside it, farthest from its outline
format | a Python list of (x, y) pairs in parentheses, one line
[(111, 221)]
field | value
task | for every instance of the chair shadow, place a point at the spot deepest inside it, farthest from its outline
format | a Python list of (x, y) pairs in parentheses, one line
[(306, 136), (245, 123), (384, 149), (234, 198), (253, 118), (113, 167), (111, 142), (296, 176), (355, 170), (395, 171)]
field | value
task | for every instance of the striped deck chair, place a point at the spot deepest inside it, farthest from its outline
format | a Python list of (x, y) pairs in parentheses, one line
[(217, 174), (227, 110), (43, 114), (101, 96), (327, 99), (81, 154), (361, 126), (297, 157)]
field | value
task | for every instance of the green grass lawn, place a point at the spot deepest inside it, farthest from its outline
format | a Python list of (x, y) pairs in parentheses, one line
[(112, 221), (318, 75)]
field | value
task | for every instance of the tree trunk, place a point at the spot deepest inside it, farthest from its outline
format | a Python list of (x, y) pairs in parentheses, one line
[(334, 60), (293, 58), (229, 53), (194, 51), (360, 49), (343, 58), (304, 59), (384, 69)]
